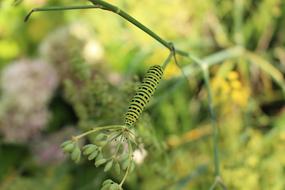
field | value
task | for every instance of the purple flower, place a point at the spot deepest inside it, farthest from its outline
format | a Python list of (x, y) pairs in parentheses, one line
[(27, 87)]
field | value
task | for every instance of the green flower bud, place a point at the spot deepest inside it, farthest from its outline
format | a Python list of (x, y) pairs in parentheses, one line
[(68, 146), (106, 187), (88, 149), (76, 154), (100, 162), (93, 155), (100, 136), (108, 166), (117, 168), (108, 181), (132, 167), (125, 164), (110, 185), (115, 186), (66, 143)]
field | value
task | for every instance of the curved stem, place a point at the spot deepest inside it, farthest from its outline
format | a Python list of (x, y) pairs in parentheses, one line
[(218, 181), (213, 121), (118, 146), (96, 130), (109, 7), (59, 9), (130, 164), (205, 70)]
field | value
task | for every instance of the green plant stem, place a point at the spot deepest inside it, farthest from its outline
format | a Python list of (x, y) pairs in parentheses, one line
[(213, 121), (218, 181), (205, 69), (118, 146), (238, 19), (43, 9), (129, 166), (96, 130), (215, 58), (109, 7)]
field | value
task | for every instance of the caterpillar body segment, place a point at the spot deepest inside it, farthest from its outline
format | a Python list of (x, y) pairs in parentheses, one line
[(143, 94)]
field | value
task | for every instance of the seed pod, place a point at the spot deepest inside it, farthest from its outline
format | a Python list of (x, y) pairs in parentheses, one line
[(88, 149), (125, 164), (110, 185), (100, 136), (93, 155), (125, 156), (108, 181), (117, 168), (115, 186), (76, 154), (66, 143), (132, 167), (68, 146), (100, 162), (106, 187), (100, 156), (108, 166)]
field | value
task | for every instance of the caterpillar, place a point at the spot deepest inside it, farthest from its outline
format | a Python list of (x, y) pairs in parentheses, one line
[(143, 94)]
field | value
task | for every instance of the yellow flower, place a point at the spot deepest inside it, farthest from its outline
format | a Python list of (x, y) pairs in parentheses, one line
[(230, 90), (172, 70), (233, 75), (240, 97), (235, 84), (221, 90)]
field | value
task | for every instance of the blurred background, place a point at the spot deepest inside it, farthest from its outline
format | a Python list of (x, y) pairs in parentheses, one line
[(65, 72)]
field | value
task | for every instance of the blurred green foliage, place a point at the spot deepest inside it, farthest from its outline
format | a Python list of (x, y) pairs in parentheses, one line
[(99, 58)]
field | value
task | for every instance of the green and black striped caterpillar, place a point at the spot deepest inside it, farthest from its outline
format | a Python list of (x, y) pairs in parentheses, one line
[(143, 94)]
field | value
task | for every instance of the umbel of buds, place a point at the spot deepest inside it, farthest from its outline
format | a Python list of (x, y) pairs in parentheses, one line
[(73, 148), (118, 139), (110, 185)]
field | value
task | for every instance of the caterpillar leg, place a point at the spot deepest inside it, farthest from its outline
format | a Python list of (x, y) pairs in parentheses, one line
[(60, 9)]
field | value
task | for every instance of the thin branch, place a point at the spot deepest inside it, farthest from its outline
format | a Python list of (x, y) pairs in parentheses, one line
[(98, 129), (60, 9), (213, 121), (109, 7), (130, 157), (205, 70)]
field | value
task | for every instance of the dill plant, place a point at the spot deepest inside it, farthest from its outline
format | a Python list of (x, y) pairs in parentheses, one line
[(124, 136)]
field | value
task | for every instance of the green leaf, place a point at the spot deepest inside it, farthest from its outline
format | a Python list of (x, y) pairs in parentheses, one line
[(268, 68)]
